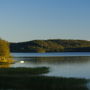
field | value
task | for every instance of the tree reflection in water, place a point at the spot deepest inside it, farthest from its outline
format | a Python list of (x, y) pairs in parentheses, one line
[(5, 63)]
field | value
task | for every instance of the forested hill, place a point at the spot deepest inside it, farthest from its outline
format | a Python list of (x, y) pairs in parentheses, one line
[(55, 45)]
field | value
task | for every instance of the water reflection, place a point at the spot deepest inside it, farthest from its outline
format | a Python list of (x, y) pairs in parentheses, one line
[(74, 66), (68, 66), (6, 62), (56, 60), (5, 65)]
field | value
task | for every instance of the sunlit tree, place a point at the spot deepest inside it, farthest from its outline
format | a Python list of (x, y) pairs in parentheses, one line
[(5, 56), (4, 48)]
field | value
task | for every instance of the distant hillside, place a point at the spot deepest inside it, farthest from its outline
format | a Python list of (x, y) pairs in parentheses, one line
[(54, 45)]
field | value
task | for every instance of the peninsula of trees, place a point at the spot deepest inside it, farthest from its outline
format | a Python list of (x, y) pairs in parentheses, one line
[(51, 45)]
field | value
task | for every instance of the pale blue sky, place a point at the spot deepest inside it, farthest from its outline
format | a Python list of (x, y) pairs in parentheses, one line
[(24, 20)]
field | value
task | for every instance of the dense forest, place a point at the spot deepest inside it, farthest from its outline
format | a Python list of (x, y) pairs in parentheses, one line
[(51, 45)]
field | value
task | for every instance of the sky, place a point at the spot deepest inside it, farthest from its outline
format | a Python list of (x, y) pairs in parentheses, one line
[(25, 20)]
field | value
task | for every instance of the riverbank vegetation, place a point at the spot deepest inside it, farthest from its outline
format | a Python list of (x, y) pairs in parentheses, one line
[(53, 45), (23, 71), (16, 82), (33, 79)]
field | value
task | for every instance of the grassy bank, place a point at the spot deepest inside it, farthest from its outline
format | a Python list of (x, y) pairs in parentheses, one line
[(41, 83), (23, 71), (29, 79)]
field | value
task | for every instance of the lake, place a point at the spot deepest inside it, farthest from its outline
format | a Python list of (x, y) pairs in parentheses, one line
[(65, 64)]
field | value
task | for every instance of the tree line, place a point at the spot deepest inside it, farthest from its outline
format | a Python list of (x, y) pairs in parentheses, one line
[(51, 45)]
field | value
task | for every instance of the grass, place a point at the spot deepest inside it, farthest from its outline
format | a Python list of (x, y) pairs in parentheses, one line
[(30, 79), (41, 83), (23, 71)]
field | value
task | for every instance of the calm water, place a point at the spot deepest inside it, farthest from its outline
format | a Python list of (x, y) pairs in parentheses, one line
[(51, 54), (68, 64)]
